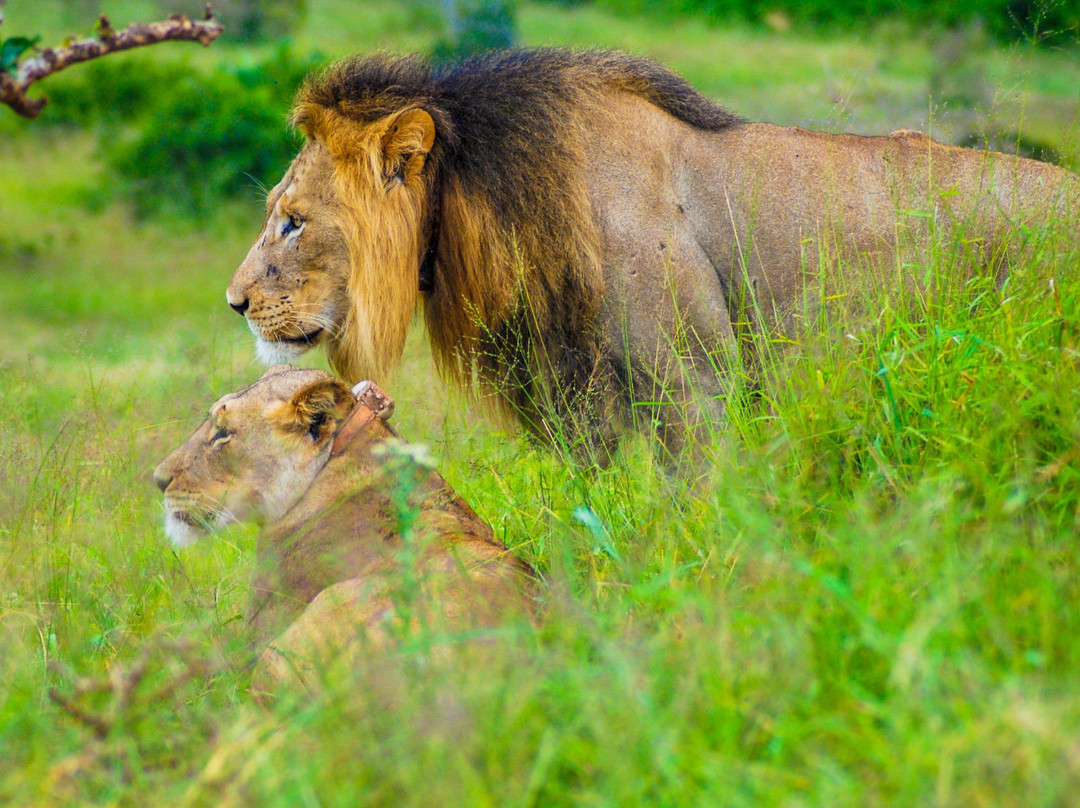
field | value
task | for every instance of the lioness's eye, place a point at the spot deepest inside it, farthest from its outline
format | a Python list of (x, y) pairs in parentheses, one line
[(219, 437), (293, 223)]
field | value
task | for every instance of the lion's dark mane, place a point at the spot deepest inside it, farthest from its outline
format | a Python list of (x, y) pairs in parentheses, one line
[(503, 110), (505, 134)]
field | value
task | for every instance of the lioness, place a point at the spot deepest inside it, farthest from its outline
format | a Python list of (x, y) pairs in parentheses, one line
[(586, 233), (297, 450)]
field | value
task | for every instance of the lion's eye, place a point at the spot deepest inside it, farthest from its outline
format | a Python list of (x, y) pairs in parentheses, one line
[(294, 222), (219, 437)]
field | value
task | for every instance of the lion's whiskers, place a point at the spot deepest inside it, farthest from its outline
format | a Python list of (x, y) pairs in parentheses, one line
[(224, 515), (306, 319)]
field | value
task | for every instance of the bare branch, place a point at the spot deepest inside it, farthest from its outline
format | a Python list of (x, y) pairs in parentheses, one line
[(120, 690), (100, 726), (177, 28)]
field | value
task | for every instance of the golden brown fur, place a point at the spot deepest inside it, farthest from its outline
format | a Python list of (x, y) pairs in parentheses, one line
[(602, 234), (334, 534)]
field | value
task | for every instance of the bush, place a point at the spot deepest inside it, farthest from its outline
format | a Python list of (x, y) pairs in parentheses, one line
[(110, 91), (211, 136)]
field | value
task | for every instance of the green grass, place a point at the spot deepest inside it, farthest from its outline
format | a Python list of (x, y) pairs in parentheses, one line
[(873, 602)]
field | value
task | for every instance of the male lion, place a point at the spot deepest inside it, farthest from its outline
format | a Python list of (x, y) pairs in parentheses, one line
[(587, 233), (296, 449)]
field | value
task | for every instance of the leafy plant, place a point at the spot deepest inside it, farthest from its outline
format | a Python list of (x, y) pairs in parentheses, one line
[(13, 48)]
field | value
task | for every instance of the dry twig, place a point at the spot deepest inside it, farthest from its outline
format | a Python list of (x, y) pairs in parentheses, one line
[(110, 707), (123, 682), (177, 28)]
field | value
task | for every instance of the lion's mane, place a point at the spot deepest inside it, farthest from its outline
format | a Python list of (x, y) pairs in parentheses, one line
[(501, 198)]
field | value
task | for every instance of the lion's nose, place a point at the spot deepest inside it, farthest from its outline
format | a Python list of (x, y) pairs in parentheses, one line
[(241, 307), (162, 478)]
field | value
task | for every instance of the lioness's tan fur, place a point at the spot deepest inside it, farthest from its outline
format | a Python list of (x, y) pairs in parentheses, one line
[(333, 538), (604, 235)]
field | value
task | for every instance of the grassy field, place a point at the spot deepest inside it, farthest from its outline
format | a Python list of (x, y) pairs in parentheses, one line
[(875, 601)]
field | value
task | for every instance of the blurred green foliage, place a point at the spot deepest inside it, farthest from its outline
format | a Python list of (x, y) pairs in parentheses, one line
[(255, 20), (111, 91), (474, 26), (1056, 21), (209, 138), (180, 138)]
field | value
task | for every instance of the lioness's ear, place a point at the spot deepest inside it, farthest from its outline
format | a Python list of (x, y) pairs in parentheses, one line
[(406, 142), (316, 410)]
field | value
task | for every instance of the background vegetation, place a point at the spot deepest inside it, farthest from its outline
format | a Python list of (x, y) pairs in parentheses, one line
[(1008, 20), (874, 601)]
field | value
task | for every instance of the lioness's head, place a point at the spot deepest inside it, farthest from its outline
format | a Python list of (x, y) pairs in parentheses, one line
[(256, 454), (338, 259)]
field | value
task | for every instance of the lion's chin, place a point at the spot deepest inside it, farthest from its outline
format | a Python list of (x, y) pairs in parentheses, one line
[(180, 530), (279, 353)]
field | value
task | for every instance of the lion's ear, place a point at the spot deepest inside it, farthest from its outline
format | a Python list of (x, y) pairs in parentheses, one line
[(408, 138), (317, 409)]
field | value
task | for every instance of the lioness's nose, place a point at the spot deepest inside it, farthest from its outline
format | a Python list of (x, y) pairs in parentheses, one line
[(162, 478), (236, 297)]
